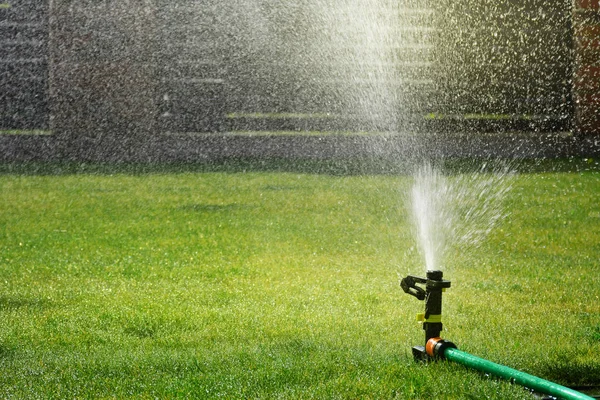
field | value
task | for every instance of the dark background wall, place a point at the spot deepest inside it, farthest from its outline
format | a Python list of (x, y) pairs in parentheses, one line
[(102, 69), (24, 64), (586, 86), (513, 59), (132, 69)]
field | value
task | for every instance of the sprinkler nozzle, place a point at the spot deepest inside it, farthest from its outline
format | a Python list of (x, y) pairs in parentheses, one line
[(409, 285), (432, 294)]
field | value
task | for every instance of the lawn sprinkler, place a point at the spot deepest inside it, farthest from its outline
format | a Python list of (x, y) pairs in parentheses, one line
[(437, 348), (432, 318)]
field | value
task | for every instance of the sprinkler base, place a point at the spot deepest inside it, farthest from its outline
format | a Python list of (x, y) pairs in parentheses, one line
[(420, 355)]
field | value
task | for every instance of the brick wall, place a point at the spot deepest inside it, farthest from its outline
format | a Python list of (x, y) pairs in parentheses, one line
[(586, 85)]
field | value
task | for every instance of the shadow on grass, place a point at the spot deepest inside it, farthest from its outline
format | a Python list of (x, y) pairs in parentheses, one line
[(202, 207), (574, 374), (14, 303), (6, 353)]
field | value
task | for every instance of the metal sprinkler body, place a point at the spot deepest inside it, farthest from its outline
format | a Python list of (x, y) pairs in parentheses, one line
[(432, 318)]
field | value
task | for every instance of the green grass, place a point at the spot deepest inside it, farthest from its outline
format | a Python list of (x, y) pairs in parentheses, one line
[(281, 115), (272, 284), (482, 116), (25, 132)]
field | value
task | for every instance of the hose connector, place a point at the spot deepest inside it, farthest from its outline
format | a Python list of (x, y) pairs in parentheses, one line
[(436, 347)]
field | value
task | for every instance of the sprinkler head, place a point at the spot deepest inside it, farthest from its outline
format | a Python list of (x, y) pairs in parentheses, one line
[(432, 294)]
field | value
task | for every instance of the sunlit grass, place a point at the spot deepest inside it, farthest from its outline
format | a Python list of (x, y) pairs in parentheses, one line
[(281, 115), (304, 133), (25, 132), (281, 285)]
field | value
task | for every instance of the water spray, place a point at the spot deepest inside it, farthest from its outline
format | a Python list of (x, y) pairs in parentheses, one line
[(436, 348)]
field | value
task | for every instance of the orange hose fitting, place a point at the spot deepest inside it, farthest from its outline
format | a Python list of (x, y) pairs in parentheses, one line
[(430, 346), (435, 348)]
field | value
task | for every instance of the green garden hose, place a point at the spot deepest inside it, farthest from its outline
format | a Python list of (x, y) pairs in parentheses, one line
[(439, 348)]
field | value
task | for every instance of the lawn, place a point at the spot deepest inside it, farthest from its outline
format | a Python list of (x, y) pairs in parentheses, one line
[(274, 284)]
